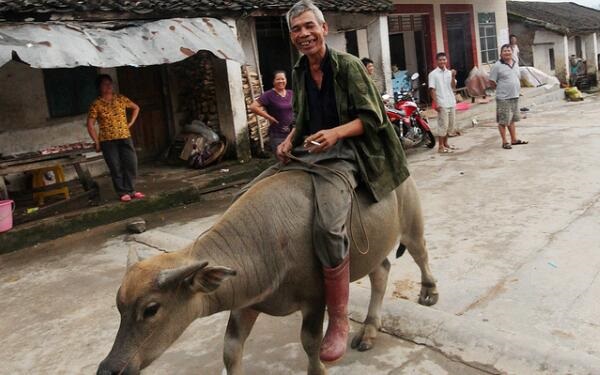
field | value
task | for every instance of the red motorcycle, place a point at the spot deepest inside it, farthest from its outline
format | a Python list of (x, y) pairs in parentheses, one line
[(405, 115)]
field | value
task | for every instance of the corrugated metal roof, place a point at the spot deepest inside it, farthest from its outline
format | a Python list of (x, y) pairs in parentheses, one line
[(54, 45)]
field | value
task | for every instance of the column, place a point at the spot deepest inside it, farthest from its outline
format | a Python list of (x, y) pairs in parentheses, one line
[(231, 107), (379, 52), (591, 53)]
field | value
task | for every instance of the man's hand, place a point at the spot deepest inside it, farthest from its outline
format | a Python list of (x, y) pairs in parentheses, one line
[(282, 150), (98, 147), (453, 73), (273, 120), (325, 138)]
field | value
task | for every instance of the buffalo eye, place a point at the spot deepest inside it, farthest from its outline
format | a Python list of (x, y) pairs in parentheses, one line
[(151, 310)]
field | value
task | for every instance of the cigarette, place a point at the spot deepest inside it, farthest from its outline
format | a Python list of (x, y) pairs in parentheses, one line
[(315, 143)]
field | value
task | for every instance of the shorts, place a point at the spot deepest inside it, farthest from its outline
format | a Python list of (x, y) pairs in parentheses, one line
[(507, 111), (445, 121)]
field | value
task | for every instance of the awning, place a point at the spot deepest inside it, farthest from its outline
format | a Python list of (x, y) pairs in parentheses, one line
[(65, 45)]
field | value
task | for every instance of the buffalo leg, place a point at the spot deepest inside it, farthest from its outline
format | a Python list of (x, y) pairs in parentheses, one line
[(364, 338), (418, 250), (238, 328), (312, 335)]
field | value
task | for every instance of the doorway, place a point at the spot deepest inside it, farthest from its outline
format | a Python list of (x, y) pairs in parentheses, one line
[(275, 51), (144, 86), (460, 51)]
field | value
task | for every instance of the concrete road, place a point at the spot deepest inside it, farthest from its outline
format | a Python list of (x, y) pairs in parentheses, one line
[(512, 236)]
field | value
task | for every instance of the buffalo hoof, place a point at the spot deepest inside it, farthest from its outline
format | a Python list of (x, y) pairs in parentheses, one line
[(317, 370), (362, 342), (429, 295)]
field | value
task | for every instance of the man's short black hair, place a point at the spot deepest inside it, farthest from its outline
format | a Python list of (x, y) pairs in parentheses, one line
[(505, 46), (101, 78), (440, 54), (512, 36), (366, 61)]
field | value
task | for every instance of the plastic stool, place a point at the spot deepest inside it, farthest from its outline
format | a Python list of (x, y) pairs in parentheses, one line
[(39, 182)]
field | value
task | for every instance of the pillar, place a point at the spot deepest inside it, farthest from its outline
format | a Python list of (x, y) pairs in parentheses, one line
[(591, 53), (231, 107), (379, 52)]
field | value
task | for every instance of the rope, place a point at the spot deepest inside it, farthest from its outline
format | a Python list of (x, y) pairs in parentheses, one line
[(354, 201)]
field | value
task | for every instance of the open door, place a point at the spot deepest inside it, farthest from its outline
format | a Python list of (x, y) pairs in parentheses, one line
[(144, 86), (459, 46)]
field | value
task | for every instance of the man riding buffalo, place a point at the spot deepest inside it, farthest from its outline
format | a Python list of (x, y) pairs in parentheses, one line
[(343, 138)]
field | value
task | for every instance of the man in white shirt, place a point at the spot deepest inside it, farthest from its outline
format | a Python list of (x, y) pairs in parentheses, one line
[(515, 48), (442, 83)]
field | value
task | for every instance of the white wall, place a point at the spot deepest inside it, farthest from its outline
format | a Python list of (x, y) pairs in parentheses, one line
[(363, 44), (542, 42), (479, 6), (541, 57), (410, 52)]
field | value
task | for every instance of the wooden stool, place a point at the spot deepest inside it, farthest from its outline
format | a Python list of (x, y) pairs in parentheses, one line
[(39, 182)]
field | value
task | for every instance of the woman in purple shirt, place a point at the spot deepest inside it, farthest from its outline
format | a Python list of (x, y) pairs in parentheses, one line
[(276, 106)]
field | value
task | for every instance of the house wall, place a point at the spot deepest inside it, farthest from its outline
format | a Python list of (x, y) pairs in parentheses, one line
[(525, 35), (410, 54), (363, 43), (543, 41), (25, 124), (479, 6)]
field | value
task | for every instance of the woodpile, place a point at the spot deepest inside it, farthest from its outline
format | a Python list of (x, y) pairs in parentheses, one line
[(197, 96), (257, 126)]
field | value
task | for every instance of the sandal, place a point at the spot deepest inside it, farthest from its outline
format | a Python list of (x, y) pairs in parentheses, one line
[(138, 195), (452, 147), (445, 151), (506, 146), (125, 198), (519, 142)]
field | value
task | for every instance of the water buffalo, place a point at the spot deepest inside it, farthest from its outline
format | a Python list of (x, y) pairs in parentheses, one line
[(258, 258)]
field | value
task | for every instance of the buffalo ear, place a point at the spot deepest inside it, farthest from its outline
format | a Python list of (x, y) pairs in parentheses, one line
[(210, 278), (199, 277)]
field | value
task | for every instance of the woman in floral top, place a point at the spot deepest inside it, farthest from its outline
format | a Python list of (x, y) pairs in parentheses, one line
[(114, 137)]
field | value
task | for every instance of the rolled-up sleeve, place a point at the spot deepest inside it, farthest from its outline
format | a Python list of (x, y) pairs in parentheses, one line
[(365, 100)]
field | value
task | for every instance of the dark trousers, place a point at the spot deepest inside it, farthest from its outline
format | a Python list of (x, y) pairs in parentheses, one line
[(121, 160)]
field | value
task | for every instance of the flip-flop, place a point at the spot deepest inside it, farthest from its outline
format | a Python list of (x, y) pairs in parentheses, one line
[(519, 142), (506, 146), (452, 147), (445, 151)]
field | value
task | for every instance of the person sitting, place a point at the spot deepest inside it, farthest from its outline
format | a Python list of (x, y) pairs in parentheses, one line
[(341, 137)]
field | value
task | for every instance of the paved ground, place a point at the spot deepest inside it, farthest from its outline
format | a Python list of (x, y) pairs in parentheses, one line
[(512, 236)]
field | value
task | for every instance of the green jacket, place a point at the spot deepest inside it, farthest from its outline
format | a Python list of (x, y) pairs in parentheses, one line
[(380, 156)]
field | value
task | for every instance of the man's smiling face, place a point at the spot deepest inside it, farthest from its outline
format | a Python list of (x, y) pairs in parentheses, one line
[(307, 34)]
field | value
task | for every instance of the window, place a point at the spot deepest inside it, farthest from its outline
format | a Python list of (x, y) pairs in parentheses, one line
[(487, 37), (551, 58), (69, 91)]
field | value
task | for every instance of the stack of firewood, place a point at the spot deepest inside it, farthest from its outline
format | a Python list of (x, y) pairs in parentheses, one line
[(257, 126), (197, 96)]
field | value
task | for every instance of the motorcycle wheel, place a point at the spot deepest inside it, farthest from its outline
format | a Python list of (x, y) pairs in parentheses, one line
[(431, 139)]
